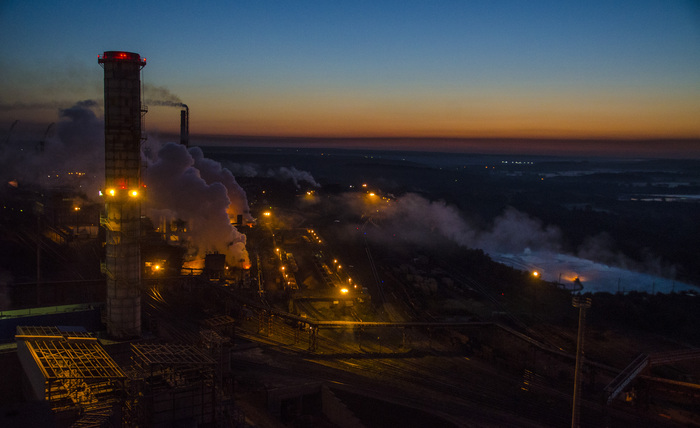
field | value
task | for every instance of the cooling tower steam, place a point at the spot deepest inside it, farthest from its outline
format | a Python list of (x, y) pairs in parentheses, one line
[(177, 189)]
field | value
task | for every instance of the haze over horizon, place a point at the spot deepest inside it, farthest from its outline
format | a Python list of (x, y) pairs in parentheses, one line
[(416, 75)]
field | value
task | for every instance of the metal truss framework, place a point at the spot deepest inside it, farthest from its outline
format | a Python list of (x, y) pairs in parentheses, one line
[(170, 383), (78, 373)]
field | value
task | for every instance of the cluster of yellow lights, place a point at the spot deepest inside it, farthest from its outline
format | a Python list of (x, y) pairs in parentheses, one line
[(338, 267), (344, 290), (374, 195), (315, 236), (113, 192)]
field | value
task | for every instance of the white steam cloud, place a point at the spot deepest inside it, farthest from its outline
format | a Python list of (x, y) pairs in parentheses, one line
[(212, 172), (413, 219), (294, 175), (181, 183), (177, 189), (283, 173)]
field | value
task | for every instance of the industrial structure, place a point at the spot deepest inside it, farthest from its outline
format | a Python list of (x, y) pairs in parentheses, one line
[(123, 189), (203, 358), (169, 384), (583, 304), (68, 368), (185, 126)]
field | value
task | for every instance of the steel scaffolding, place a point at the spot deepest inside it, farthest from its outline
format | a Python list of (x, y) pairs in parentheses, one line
[(170, 384), (72, 372)]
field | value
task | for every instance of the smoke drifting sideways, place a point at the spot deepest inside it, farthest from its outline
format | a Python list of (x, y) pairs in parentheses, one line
[(72, 156), (512, 238), (283, 173), (160, 96), (414, 219), (183, 184)]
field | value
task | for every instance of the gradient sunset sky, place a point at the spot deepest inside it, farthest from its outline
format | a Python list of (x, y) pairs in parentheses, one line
[(554, 69)]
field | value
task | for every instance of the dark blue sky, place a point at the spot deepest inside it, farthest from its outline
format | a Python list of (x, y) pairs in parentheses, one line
[(591, 69)]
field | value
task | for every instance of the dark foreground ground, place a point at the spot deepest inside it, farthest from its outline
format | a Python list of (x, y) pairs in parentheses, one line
[(514, 365)]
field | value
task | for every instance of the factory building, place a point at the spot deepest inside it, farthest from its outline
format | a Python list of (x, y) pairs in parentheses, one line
[(123, 191)]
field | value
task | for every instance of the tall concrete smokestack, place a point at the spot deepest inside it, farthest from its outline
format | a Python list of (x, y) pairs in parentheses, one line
[(185, 126), (122, 191)]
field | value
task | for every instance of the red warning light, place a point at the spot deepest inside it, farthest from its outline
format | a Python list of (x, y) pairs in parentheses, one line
[(120, 56)]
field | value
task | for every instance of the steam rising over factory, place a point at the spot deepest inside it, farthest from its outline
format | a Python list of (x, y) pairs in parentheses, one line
[(151, 311)]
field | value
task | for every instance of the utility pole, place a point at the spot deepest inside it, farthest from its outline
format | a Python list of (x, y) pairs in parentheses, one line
[(582, 304), (38, 211)]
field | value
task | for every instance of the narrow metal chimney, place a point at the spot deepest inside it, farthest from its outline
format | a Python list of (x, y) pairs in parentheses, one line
[(185, 126)]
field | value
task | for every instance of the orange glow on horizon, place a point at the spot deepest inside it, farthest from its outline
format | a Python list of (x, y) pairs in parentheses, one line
[(486, 121), (490, 112), (565, 129)]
